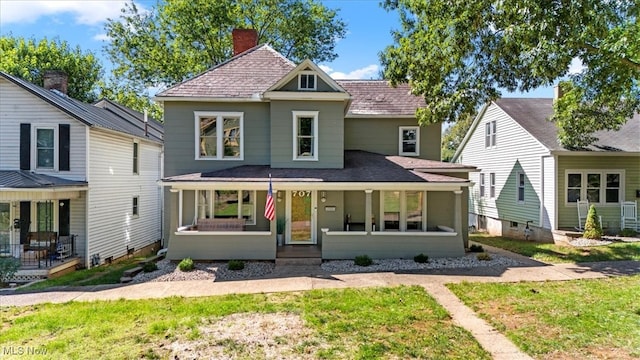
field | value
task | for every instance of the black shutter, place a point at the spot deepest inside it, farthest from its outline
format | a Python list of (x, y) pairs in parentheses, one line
[(64, 217), (25, 221), (63, 151), (25, 146)]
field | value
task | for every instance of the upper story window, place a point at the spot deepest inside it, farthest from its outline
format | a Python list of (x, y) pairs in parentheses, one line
[(490, 134), (307, 81), (409, 140), (521, 182), (45, 147), (595, 186), (227, 204), (305, 135), (136, 162), (219, 136)]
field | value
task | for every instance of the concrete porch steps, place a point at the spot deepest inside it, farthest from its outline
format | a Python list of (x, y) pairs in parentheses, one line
[(302, 261), (128, 275)]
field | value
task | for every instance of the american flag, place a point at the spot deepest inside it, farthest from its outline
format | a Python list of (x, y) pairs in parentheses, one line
[(269, 207)]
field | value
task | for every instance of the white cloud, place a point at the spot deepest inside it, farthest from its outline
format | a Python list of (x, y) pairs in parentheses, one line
[(367, 72), (101, 37), (83, 12), (576, 66)]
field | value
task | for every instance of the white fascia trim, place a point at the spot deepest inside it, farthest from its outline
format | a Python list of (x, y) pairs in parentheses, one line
[(312, 185), (447, 170), (593, 153), (257, 97), (47, 190), (306, 95)]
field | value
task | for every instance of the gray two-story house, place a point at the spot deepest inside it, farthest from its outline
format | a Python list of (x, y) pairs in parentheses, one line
[(352, 173)]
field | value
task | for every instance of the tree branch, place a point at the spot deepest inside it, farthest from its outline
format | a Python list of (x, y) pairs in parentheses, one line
[(625, 61)]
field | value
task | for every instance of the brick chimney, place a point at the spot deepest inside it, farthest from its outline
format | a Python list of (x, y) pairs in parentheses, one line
[(56, 79), (557, 92), (243, 40)]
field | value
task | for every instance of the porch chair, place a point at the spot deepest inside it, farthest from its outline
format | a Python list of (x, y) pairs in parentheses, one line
[(629, 215), (583, 210)]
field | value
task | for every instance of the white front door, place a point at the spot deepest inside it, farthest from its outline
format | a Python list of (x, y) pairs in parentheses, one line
[(301, 212)]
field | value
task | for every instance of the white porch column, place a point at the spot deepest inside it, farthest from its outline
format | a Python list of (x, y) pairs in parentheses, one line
[(457, 217), (367, 211)]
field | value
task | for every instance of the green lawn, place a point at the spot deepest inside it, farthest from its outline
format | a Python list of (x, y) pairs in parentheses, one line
[(104, 274), (551, 253), (375, 323), (583, 319)]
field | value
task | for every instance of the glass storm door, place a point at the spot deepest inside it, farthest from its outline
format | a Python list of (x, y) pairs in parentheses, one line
[(5, 227), (301, 226)]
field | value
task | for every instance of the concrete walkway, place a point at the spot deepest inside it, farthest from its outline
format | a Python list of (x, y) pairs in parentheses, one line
[(302, 278)]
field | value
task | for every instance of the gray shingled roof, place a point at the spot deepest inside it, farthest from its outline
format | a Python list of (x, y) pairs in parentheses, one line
[(533, 114), (245, 75), (377, 97), (105, 114), (359, 166), (22, 179)]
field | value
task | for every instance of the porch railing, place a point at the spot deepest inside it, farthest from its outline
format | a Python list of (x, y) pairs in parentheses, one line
[(42, 255)]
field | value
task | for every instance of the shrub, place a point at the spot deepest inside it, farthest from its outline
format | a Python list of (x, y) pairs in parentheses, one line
[(627, 232), (476, 248), (483, 256), (186, 265), (235, 265), (421, 258), (8, 267), (592, 227), (149, 267), (363, 260)]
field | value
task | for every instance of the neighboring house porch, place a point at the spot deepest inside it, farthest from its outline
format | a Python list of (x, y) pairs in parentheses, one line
[(381, 206)]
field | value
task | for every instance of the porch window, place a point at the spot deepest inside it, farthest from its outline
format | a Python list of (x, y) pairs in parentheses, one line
[(45, 148), (227, 204), (409, 141), (403, 210), (219, 135), (44, 216), (521, 181), (415, 200), (391, 210), (604, 187), (305, 135)]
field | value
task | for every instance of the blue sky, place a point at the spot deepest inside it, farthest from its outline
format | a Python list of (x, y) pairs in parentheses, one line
[(82, 23)]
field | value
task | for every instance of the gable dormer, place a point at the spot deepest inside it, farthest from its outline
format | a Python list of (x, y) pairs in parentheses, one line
[(307, 81)]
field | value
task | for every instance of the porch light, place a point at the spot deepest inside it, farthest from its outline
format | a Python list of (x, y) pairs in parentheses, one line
[(323, 196), (174, 190)]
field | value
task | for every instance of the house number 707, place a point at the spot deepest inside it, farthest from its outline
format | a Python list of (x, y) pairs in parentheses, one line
[(302, 193)]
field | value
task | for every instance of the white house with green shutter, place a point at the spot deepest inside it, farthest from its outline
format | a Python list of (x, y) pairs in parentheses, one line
[(526, 176), (78, 182)]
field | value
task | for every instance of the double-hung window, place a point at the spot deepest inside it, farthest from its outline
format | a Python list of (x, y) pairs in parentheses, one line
[(482, 185), (219, 136), (45, 141), (521, 182), (403, 210), (490, 134), (595, 186), (492, 185), (136, 163), (305, 135), (227, 204), (307, 81), (409, 141), (135, 206)]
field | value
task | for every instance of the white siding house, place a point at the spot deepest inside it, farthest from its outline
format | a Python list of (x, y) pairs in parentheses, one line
[(514, 146), (67, 177)]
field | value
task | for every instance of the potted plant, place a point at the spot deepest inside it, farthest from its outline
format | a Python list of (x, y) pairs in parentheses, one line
[(281, 224)]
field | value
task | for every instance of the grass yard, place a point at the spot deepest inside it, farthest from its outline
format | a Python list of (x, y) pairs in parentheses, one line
[(399, 322), (104, 274), (583, 319), (552, 253)]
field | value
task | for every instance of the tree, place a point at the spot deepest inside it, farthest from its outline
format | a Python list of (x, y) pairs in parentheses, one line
[(453, 136), (29, 59), (177, 39), (459, 54), (592, 227), (128, 95)]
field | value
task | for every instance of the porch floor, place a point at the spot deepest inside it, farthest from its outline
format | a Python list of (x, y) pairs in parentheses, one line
[(299, 251)]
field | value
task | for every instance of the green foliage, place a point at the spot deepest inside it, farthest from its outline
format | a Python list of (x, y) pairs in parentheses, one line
[(186, 265), (592, 227), (29, 59), (235, 265), (627, 232), (476, 248), (453, 136), (132, 96), (421, 258), (174, 40), (363, 260), (8, 267), (149, 267), (483, 256), (459, 54)]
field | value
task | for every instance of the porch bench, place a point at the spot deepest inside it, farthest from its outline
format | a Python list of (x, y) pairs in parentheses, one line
[(221, 224)]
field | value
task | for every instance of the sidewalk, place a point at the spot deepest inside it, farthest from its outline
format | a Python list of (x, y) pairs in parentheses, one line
[(303, 278)]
